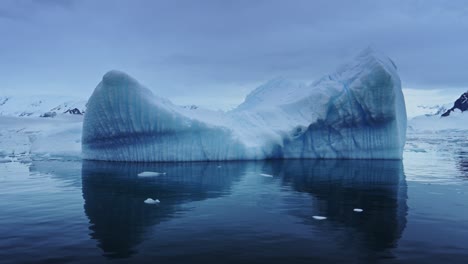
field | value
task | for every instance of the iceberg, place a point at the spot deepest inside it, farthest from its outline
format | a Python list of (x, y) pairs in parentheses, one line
[(358, 112)]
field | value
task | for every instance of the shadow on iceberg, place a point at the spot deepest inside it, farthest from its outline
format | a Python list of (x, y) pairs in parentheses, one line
[(114, 197)]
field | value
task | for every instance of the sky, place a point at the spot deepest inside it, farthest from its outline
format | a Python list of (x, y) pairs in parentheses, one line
[(212, 53)]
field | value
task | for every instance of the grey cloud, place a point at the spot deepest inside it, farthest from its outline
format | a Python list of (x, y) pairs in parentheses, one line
[(188, 46)]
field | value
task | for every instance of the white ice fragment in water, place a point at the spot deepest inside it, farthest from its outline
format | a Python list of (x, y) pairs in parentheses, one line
[(358, 210), (417, 150), (266, 175), (150, 174), (318, 217), (152, 201)]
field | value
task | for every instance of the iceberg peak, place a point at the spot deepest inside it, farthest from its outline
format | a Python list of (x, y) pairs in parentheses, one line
[(270, 93), (371, 54), (114, 77), (368, 51)]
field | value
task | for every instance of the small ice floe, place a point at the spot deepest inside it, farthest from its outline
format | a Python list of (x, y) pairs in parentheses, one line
[(219, 166), (150, 174), (358, 210), (152, 201), (318, 217), (417, 150), (266, 175)]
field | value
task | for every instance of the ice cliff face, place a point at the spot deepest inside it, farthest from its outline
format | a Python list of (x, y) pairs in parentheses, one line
[(356, 113)]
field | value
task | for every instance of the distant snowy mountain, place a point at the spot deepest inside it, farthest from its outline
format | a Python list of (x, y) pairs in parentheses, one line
[(41, 106), (460, 104), (443, 117), (433, 110)]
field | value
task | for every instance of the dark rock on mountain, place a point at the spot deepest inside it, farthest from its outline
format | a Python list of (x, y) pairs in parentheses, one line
[(461, 104), (74, 111), (49, 114)]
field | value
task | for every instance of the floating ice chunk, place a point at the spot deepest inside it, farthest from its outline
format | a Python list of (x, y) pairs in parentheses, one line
[(358, 112), (151, 201), (318, 217), (266, 175), (358, 210), (417, 150), (150, 174)]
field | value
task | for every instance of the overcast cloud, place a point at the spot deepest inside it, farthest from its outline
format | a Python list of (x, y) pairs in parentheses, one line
[(205, 50)]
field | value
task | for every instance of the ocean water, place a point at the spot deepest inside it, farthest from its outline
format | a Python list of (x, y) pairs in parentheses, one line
[(294, 211)]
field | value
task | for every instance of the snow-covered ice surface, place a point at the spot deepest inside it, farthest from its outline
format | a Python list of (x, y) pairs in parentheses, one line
[(25, 138), (451, 116), (40, 126), (421, 102), (456, 121), (358, 112), (432, 155), (441, 133)]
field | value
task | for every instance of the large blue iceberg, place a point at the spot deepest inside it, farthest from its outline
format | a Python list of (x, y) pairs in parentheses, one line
[(356, 113)]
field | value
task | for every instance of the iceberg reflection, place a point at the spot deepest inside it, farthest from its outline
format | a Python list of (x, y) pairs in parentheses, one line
[(261, 214), (339, 186), (114, 197)]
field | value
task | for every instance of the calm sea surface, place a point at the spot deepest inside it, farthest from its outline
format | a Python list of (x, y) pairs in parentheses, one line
[(413, 211)]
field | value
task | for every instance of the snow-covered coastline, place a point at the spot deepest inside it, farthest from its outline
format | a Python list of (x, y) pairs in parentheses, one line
[(430, 123), (449, 116), (40, 105), (24, 138), (40, 126)]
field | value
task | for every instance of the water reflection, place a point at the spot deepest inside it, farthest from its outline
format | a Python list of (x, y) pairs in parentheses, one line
[(119, 220), (68, 172), (114, 196), (462, 164), (339, 186)]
